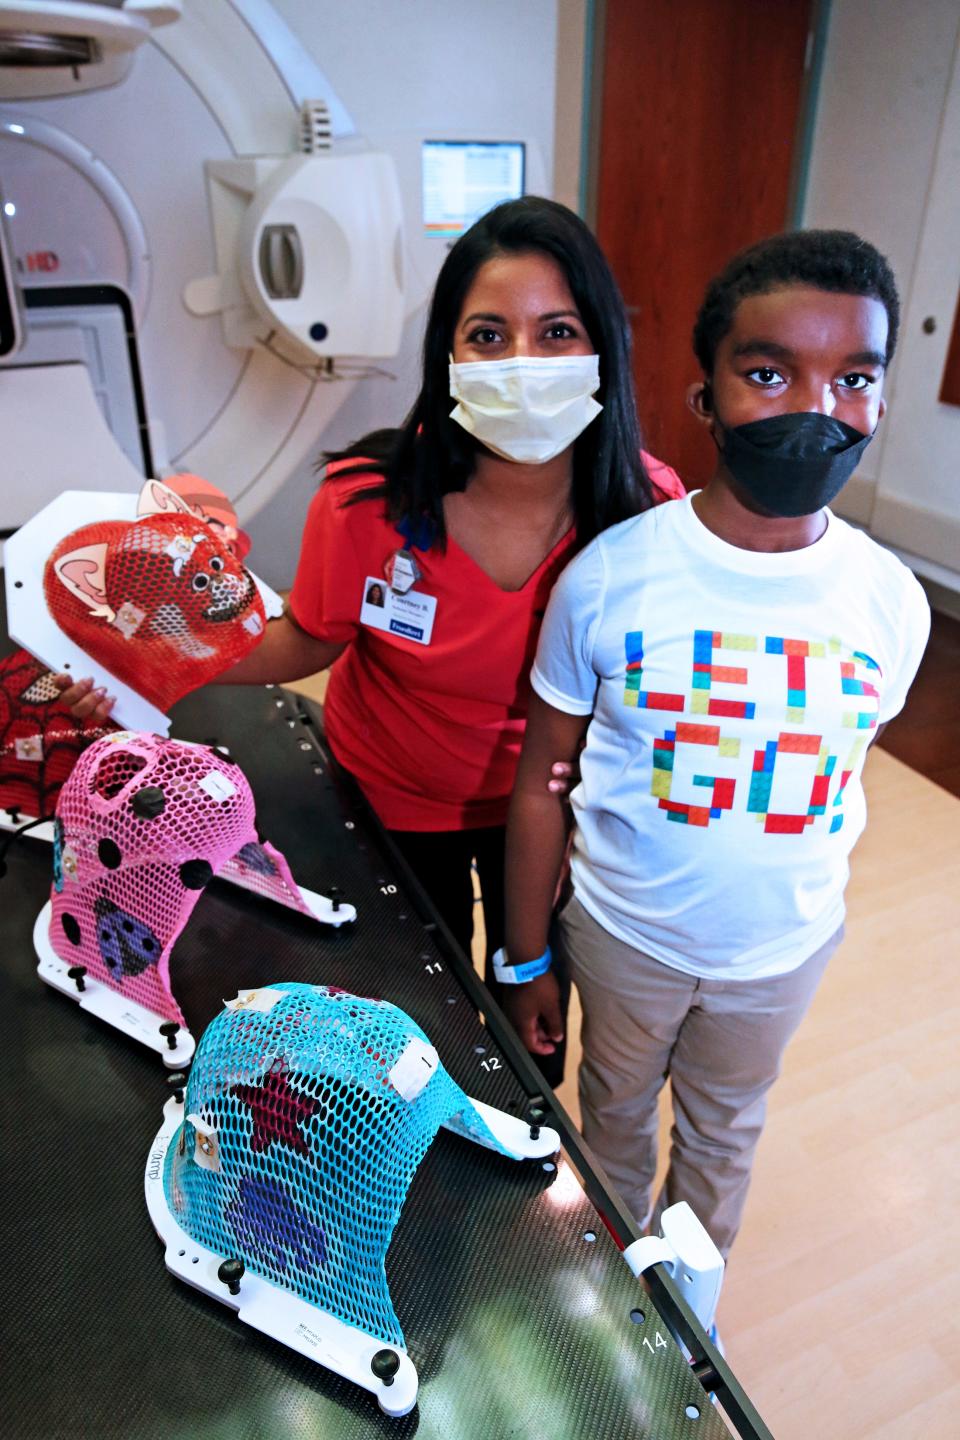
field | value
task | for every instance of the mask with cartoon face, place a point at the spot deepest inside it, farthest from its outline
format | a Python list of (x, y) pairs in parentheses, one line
[(162, 602)]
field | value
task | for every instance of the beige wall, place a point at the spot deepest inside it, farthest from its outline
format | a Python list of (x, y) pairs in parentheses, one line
[(572, 17), (885, 159)]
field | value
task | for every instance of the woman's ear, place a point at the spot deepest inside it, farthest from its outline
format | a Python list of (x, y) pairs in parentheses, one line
[(700, 402)]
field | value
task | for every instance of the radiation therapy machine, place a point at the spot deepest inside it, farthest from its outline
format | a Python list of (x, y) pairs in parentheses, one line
[(203, 258)]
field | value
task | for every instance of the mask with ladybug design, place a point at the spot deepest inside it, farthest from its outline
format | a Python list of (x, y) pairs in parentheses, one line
[(142, 825)]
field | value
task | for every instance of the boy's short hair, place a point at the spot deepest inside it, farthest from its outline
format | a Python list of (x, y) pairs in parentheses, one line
[(834, 260)]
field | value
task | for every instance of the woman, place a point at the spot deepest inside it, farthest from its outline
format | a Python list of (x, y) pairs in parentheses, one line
[(522, 445)]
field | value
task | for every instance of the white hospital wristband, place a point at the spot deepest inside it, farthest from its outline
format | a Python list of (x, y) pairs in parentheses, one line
[(509, 974)]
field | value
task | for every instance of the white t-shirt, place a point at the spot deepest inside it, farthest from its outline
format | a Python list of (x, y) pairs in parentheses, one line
[(733, 695)]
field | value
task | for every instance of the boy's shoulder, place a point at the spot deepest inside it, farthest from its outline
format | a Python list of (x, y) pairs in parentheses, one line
[(608, 553), (643, 530), (879, 583), (876, 559)]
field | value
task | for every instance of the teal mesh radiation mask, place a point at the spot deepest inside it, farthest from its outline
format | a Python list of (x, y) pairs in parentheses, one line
[(306, 1115)]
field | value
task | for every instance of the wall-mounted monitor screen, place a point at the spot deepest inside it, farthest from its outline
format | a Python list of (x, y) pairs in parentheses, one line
[(463, 179)]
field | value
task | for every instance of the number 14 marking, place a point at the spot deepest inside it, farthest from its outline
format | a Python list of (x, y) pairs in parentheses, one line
[(659, 1344)]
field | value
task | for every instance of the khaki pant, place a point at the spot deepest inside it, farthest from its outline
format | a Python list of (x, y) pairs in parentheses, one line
[(719, 1041)]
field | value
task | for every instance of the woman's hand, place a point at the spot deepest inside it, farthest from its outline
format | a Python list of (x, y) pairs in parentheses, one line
[(534, 1011), (563, 778), (82, 700)]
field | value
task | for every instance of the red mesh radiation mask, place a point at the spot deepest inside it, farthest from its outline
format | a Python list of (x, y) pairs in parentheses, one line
[(40, 741), (162, 601)]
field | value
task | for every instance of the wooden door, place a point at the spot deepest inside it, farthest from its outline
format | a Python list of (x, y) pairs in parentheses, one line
[(950, 385), (698, 113)]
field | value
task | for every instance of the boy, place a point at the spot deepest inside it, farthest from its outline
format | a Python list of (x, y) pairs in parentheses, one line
[(733, 654)]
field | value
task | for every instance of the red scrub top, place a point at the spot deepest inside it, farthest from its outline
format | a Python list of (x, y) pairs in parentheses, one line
[(431, 732)]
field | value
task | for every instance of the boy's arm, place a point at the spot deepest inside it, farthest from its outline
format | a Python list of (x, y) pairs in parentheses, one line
[(536, 841)]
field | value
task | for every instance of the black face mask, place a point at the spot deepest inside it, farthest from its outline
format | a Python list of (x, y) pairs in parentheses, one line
[(793, 464)]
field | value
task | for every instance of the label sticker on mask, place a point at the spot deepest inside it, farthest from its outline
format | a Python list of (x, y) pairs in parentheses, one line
[(180, 549), (260, 1001), (217, 786), (410, 616), (206, 1151), (128, 619), (29, 747), (414, 1068), (69, 863)]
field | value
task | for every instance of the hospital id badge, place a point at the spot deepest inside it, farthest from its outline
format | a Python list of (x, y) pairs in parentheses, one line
[(410, 615)]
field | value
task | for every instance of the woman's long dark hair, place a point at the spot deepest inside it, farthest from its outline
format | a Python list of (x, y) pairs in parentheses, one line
[(431, 455)]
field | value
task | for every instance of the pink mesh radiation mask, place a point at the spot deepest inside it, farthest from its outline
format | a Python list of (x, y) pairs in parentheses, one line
[(142, 825)]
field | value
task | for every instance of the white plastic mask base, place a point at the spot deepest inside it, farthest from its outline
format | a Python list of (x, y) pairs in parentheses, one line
[(118, 1010), (344, 1349)]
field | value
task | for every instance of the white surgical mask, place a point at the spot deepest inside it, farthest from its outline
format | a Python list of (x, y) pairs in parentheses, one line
[(526, 409)]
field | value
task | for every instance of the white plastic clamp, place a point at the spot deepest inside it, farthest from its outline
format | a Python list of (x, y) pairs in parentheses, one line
[(685, 1249)]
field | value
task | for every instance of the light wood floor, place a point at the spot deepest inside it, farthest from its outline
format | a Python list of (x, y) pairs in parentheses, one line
[(841, 1305)]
